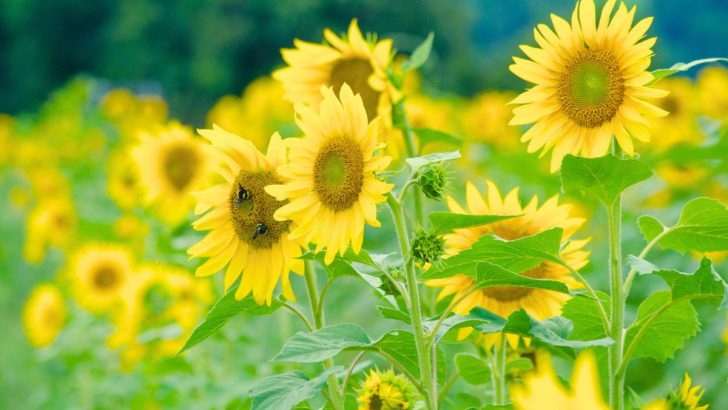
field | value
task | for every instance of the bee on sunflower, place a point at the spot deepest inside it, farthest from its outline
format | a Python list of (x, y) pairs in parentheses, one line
[(44, 315), (330, 181), (504, 300), (99, 273), (590, 83), (386, 391), (171, 165), (239, 213)]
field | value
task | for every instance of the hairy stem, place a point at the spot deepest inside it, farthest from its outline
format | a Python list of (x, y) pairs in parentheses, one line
[(499, 371), (616, 379)]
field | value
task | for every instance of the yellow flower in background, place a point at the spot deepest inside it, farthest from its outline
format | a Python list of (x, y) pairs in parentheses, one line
[(505, 300), (486, 118), (330, 179), (590, 83), (713, 91), (44, 315), (386, 391), (171, 165), (123, 183), (681, 126), (99, 273), (133, 113), (132, 231), (348, 60), (542, 389), (52, 223), (239, 215), (257, 115), (48, 183)]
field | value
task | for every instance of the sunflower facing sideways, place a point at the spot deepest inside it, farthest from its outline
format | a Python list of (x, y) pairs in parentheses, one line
[(590, 83), (330, 180), (239, 215), (171, 165), (505, 300), (99, 274), (351, 60), (44, 315)]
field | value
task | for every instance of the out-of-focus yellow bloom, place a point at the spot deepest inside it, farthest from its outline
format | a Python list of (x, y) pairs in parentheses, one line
[(542, 389), (52, 223), (386, 391), (123, 186), (257, 115), (713, 92), (98, 274), (133, 113), (48, 183), (44, 315), (131, 230), (171, 165), (504, 300), (486, 119), (681, 126)]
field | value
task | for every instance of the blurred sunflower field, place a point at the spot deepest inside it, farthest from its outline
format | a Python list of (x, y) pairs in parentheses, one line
[(364, 205)]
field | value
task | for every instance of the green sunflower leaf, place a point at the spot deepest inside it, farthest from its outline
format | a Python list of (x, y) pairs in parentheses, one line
[(399, 345), (703, 227), (420, 55), (443, 222), (429, 136), (284, 391), (327, 342), (474, 370), (661, 73), (418, 162), (603, 178), (222, 311)]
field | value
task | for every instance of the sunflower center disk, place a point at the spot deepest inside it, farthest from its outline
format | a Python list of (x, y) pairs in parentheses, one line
[(591, 88), (356, 73), (511, 293), (105, 277), (252, 209), (180, 166), (339, 173)]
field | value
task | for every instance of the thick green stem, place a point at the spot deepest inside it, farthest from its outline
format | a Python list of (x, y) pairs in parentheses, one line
[(616, 378), (424, 357), (499, 371), (335, 394)]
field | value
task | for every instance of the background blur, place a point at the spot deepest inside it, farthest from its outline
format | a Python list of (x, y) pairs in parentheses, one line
[(192, 53)]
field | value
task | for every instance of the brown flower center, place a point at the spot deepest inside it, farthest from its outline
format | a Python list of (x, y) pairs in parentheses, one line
[(180, 165), (339, 173), (356, 73), (252, 209), (591, 88), (106, 277)]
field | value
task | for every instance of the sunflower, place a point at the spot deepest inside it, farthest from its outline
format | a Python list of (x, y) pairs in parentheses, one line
[(542, 389), (504, 300), (591, 83), (243, 233), (681, 126), (330, 179), (386, 391), (52, 223), (171, 165), (713, 91), (44, 315), (486, 117), (123, 186), (349, 60), (99, 274), (132, 113), (688, 397)]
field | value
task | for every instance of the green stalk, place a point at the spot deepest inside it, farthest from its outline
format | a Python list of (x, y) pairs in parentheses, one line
[(424, 357), (499, 371), (616, 379), (335, 394)]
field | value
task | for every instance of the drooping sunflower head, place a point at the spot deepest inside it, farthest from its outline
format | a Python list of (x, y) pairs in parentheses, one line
[(688, 397), (44, 315), (171, 165), (590, 83), (99, 274), (504, 300), (244, 235), (542, 389), (330, 181), (386, 391), (348, 60)]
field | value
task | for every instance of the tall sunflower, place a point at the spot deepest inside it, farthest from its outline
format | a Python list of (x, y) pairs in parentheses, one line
[(330, 179), (99, 274), (542, 389), (348, 60), (504, 300), (171, 165), (44, 315), (590, 83), (243, 232)]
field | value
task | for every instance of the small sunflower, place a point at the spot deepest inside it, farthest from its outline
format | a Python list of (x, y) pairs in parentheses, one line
[(681, 126), (386, 391), (330, 180), (486, 117), (123, 186), (52, 223), (171, 165), (688, 397), (44, 315), (351, 60), (504, 300), (713, 91), (99, 274), (243, 232), (542, 389), (591, 83)]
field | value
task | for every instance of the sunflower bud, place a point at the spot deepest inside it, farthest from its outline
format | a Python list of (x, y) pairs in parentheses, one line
[(433, 180), (427, 247)]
